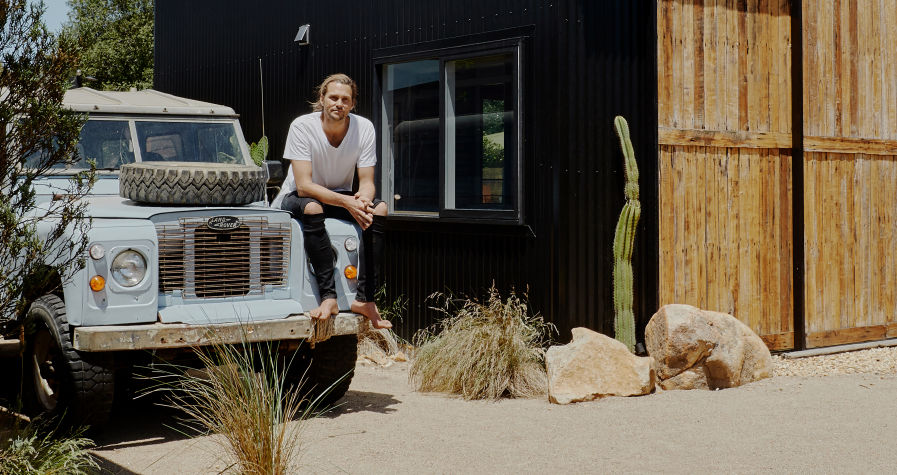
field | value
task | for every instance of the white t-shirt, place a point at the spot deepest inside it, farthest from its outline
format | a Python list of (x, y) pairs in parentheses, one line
[(332, 167)]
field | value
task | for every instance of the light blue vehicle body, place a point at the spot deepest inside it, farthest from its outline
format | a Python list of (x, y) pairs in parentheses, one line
[(130, 318)]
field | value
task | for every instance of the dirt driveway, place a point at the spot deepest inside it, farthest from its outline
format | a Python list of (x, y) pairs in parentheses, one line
[(831, 424)]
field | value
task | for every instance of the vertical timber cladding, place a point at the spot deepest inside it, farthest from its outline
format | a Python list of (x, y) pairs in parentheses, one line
[(724, 118), (850, 170)]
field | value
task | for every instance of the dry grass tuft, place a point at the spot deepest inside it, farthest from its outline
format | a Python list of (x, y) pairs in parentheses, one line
[(483, 351), (244, 396), (377, 345), (382, 346)]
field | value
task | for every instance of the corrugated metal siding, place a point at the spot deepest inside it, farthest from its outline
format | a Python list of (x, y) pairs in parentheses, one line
[(587, 61)]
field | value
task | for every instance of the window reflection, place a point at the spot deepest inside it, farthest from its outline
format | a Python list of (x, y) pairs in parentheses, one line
[(449, 136), (189, 142), (479, 121), (106, 142), (411, 109)]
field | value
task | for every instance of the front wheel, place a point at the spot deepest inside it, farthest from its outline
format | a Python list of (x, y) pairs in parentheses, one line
[(61, 381), (323, 374)]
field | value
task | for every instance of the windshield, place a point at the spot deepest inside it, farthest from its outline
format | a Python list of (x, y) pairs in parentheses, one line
[(107, 142), (212, 142), (110, 144)]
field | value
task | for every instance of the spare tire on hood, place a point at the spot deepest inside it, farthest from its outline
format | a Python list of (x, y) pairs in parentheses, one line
[(189, 183)]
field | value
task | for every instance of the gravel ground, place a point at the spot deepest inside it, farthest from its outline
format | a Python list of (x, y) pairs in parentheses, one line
[(879, 361), (825, 414)]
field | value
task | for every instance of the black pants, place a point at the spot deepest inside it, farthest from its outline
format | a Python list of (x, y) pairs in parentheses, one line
[(320, 253)]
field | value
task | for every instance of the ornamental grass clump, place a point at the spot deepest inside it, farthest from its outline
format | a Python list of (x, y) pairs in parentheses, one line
[(483, 351), (243, 395), (36, 448)]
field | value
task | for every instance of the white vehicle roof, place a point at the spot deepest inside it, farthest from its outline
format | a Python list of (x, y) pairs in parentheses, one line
[(147, 101)]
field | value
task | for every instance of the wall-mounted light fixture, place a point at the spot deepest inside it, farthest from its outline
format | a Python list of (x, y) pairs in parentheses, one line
[(302, 35)]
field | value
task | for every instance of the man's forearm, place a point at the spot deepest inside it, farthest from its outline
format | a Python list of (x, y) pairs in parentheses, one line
[(322, 194), (367, 191)]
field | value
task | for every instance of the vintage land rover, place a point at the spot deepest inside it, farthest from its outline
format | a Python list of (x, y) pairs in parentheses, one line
[(183, 251)]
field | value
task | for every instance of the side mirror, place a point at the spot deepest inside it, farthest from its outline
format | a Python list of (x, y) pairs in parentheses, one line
[(275, 171)]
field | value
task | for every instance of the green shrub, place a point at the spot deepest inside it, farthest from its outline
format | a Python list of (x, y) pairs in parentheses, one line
[(33, 448), (259, 151)]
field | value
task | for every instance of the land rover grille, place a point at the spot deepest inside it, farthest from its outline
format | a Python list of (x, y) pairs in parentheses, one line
[(199, 262)]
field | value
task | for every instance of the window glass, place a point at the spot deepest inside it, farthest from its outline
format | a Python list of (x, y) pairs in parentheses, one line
[(189, 142), (449, 134), (107, 142), (479, 125), (411, 133)]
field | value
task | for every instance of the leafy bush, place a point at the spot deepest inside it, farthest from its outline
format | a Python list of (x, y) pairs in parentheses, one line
[(41, 245), (483, 351), (259, 151), (116, 41), (35, 449), (493, 154)]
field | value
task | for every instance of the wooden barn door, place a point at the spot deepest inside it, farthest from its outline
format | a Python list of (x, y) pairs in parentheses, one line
[(725, 118), (724, 90), (850, 170)]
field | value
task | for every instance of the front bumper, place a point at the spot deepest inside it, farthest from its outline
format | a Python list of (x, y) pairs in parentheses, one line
[(153, 336)]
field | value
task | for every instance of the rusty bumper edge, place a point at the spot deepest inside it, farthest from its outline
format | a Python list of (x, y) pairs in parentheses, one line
[(181, 335)]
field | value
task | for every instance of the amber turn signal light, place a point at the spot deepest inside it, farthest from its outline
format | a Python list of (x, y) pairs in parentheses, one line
[(97, 283), (350, 272)]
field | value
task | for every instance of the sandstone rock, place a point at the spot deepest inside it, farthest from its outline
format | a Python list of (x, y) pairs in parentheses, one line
[(594, 366), (701, 349), (692, 378)]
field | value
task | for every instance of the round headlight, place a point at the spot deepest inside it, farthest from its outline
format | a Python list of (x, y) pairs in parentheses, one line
[(351, 244), (128, 268), (97, 252)]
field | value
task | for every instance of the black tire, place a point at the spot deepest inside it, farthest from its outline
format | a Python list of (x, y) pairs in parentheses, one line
[(188, 183), (323, 374), (60, 381)]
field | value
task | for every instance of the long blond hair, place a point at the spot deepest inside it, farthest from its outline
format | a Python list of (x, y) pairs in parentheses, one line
[(338, 78)]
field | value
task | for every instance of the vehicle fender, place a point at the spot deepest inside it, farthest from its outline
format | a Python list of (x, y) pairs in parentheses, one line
[(115, 304)]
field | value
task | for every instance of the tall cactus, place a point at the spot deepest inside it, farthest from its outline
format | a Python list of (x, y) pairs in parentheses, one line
[(624, 240)]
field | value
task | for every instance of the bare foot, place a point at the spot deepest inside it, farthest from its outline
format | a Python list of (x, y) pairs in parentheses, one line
[(327, 308), (369, 310)]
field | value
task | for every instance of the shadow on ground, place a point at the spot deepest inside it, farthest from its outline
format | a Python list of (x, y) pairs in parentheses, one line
[(363, 401), (141, 422), (145, 421), (110, 467)]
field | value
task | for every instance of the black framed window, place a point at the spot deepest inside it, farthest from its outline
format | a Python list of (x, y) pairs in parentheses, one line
[(450, 133)]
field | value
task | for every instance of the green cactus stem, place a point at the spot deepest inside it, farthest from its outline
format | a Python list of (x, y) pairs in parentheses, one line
[(624, 241)]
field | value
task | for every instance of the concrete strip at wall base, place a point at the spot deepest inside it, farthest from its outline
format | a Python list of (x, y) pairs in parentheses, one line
[(840, 349), (179, 335)]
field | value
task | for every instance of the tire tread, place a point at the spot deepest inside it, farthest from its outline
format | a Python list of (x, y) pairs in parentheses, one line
[(90, 379), (190, 184)]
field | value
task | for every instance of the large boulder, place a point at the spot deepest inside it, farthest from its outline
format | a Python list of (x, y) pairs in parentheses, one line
[(594, 366), (701, 349)]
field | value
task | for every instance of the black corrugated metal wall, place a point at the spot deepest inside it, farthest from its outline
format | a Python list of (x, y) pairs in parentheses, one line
[(586, 61)]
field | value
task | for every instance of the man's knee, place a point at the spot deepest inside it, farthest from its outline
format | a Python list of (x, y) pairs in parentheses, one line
[(313, 207), (381, 209)]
